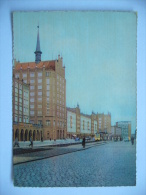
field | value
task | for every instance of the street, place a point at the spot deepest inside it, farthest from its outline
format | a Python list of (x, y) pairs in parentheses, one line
[(110, 164)]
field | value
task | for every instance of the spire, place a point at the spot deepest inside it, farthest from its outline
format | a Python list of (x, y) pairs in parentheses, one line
[(38, 51)]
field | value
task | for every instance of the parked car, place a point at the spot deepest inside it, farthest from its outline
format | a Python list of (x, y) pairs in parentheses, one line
[(126, 139), (77, 139), (87, 138)]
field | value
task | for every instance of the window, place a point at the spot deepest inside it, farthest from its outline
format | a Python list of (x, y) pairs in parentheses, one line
[(39, 74), (20, 86), (25, 94), (31, 113), (71, 121), (16, 118), (48, 123), (39, 86), (31, 80), (20, 119), (47, 74), (20, 108), (40, 122), (48, 87), (31, 87), (24, 81), (31, 99), (20, 91), (32, 121), (31, 106), (26, 120), (39, 99), (39, 106), (16, 98), (39, 80), (47, 93), (48, 81), (83, 124), (16, 90), (24, 75), (20, 100), (47, 99), (17, 75), (16, 107), (32, 74), (39, 112), (40, 93), (54, 123), (88, 125), (31, 93)]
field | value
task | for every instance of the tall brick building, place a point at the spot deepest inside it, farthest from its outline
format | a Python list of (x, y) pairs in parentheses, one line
[(47, 92)]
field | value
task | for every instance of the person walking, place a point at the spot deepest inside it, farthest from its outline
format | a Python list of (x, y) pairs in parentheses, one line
[(132, 140), (31, 142), (83, 142), (16, 142)]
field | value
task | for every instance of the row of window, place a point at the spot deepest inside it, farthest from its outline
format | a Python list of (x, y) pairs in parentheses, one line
[(60, 114), (39, 74), (16, 85), (32, 112), (16, 90), (25, 120), (60, 108)]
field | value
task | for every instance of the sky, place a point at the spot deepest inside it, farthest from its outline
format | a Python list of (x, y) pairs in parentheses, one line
[(99, 52)]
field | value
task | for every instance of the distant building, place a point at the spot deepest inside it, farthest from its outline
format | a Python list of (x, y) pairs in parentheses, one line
[(81, 124), (47, 93), (104, 123), (125, 128), (116, 131)]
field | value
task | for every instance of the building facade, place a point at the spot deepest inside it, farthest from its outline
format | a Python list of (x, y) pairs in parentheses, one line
[(81, 124), (47, 93), (125, 128), (116, 132), (22, 129), (104, 123), (20, 101)]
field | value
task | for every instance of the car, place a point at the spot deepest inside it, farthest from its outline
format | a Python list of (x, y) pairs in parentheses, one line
[(77, 139), (126, 139), (87, 138)]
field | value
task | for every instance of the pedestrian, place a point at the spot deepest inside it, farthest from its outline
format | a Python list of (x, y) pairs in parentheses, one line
[(50, 139), (42, 139), (83, 142), (16, 142), (31, 142), (132, 140)]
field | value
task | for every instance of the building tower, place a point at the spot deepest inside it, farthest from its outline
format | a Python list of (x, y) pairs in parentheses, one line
[(38, 50)]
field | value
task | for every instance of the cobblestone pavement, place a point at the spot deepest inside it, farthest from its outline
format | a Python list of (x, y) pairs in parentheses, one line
[(112, 164)]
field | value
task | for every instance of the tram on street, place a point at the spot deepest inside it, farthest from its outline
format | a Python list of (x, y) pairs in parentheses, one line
[(97, 137)]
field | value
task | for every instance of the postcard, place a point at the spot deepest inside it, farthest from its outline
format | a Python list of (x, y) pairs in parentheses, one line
[(74, 98)]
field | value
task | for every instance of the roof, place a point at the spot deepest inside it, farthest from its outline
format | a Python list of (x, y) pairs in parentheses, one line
[(33, 65)]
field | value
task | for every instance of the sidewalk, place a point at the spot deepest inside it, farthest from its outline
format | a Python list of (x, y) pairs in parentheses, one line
[(29, 154), (53, 143)]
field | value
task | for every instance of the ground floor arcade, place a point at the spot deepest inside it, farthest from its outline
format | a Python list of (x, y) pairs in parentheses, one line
[(24, 131)]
